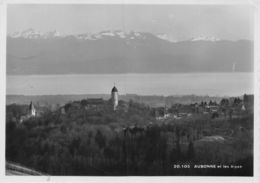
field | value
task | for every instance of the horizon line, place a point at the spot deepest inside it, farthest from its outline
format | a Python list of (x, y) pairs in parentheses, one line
[(142, 95)]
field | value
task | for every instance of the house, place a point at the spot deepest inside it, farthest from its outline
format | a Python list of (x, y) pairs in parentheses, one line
[(248, 101), (161, 113), (92, 103), (30, 113)]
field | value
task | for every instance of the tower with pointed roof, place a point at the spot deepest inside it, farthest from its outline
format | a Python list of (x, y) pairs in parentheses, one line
[(114, 97), (32, 110)]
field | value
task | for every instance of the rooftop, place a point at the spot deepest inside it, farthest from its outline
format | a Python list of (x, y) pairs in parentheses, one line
[(114, 89)]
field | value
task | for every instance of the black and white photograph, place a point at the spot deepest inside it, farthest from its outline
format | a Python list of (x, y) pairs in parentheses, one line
[(129, 90)]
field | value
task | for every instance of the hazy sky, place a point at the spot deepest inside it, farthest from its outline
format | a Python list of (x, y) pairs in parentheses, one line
[(177, 21)]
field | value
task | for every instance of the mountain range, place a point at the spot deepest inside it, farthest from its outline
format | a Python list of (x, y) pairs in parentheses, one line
[(34, 52)]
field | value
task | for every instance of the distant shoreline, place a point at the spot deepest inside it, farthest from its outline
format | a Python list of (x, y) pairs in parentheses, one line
[(201, 84), (150, 100), (130, 94)]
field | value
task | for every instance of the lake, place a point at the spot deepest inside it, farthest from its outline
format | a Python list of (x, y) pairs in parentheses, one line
[(213, 84)]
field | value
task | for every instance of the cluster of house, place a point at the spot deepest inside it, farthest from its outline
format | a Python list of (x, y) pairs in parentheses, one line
[(226, 107), (91, 103), (96, 104)]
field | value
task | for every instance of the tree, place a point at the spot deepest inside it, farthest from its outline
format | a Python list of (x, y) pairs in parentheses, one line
[(230, 112), (100, 139), (190, 152)]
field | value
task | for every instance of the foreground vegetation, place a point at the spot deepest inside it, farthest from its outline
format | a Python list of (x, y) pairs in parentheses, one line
[(99, 141)]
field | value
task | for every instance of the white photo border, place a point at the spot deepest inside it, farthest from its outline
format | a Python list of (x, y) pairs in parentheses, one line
[(162, 179)]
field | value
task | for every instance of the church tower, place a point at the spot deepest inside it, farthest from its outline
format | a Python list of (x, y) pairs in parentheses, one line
[(32, 110), (114, 98)]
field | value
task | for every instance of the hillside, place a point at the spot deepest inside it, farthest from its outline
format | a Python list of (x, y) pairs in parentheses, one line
[(95, 140)]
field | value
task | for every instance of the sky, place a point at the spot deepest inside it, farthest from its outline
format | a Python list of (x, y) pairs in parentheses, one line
[(179, 22)]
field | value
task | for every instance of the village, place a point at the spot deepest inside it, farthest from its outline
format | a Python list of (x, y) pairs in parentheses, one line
[(117, 127), (227, 108)]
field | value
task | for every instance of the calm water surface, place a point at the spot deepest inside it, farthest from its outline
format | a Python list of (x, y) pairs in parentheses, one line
[(220, 84)]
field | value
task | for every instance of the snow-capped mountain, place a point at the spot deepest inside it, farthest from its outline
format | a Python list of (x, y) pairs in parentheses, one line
[(34, 34), (130, 35), (166, 38), (103, 34), (53, 34), (205, 38), (115, 51), (29, 33)]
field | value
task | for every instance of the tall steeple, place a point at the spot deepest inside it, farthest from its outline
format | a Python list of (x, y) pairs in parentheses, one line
[(114, 97), (32, 110)]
